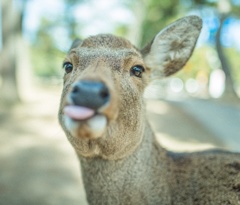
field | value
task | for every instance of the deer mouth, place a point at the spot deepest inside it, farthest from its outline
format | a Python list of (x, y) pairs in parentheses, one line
[(89, 108), (78, 113), (84, 122)]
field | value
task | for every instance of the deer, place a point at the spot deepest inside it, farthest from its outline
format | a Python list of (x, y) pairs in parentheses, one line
[(102, 112)]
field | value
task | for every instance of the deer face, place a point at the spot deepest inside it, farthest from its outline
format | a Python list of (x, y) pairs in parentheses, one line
[(102, 108)]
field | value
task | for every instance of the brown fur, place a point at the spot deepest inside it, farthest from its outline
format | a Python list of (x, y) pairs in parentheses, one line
[(125, 165)]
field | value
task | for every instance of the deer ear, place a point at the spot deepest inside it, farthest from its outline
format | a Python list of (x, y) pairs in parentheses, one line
[(172, 47), (75, 43)]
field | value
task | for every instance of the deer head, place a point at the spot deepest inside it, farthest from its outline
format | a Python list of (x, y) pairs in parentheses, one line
[(102, 108)]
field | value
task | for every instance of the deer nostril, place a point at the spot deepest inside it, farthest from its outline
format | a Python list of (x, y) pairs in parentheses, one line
[(104, 93), (75, 89)]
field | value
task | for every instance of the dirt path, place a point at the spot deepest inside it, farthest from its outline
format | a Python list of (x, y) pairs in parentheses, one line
[(179, 131), (38, 166)]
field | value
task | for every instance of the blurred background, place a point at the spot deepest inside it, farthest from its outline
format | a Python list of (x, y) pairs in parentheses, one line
[(201, 102)]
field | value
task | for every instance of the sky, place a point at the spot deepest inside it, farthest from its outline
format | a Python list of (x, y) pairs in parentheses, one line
[(36, 10), (91, 11)]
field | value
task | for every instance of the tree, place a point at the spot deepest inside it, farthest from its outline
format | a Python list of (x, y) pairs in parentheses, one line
[(224, 9), (48, 50), (69, 17), (150, 16), (11, 30), (157, 15)]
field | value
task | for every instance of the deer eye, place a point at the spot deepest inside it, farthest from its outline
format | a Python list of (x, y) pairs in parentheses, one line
[(68, 67), (137, 71)]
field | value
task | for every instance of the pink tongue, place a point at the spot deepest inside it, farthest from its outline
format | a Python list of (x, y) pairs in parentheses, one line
[(78, 112)]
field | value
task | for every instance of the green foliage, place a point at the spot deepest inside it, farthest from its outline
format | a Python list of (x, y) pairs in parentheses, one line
[(158, 15), (46, 54), (45, 50), (121, 30), (233, 56), (198, 63), (46, 63), (46, 58)]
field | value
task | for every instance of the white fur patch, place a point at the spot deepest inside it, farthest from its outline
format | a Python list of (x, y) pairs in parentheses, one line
[(97, 124)]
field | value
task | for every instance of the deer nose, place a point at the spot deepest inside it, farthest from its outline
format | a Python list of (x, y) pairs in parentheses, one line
[(91, 94)]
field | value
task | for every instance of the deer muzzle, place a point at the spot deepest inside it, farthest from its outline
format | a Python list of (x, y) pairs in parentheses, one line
[(88, 108), (87, 97)]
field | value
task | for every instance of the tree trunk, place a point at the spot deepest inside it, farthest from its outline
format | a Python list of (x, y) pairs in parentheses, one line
[(135, 30), (229, 84), (11, 26)]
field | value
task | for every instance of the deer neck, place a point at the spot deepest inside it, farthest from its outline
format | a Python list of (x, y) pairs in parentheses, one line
[(105, 177), (143, 153)]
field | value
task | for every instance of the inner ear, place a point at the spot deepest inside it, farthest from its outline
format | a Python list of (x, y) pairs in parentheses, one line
[(172, 47)]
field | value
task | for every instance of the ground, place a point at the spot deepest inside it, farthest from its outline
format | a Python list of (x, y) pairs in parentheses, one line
[(38, 165)]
